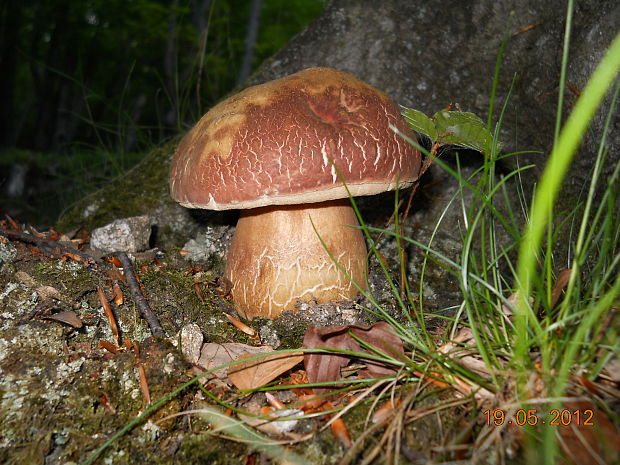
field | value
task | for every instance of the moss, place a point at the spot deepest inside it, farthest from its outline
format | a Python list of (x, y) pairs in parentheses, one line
[(172, 294), (40, 399), (138, 190), (70, 278), (81, 401), (204, 448), (291, 332), (61, 395)]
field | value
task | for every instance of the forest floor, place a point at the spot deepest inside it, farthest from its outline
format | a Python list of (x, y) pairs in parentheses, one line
[(70, 379)]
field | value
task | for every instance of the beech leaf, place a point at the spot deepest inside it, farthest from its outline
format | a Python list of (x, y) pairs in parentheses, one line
[(382, 337), (420, 123), (322, 367), (213, 355), (458, 128), (326, 367), (461, 128), (69, 317), (255, 373)]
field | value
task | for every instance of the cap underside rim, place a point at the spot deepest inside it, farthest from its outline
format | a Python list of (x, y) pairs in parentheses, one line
[(322, 195)]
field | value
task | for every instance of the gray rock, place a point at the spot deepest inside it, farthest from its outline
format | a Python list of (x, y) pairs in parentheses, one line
[(7, 251), (191, 342), (428, 55), (124, 235), (210, 243)]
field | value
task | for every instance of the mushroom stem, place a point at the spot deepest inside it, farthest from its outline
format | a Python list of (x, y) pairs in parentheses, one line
[(276, 257)]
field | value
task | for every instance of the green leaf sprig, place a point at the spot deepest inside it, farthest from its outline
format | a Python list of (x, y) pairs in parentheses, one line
[(458, 128)]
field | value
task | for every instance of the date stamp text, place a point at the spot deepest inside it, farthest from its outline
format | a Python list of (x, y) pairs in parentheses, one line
[(533, 417)]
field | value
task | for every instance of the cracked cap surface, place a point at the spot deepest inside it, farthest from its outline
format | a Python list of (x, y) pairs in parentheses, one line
[(286, 141)]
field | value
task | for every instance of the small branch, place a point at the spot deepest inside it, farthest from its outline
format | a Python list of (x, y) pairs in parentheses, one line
[(111, 318), (52, 247), (39, 309), (138, 297)]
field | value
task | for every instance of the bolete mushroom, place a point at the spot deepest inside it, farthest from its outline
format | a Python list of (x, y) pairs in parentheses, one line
[(279, 151)]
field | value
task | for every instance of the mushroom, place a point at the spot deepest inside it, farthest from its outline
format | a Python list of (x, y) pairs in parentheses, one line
[(279, 151)]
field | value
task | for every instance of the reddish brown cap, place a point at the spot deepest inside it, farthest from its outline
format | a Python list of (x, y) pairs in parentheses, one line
[(273, 144)]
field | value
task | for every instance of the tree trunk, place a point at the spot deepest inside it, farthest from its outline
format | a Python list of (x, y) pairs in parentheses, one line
[(250, 41), (171, 67)]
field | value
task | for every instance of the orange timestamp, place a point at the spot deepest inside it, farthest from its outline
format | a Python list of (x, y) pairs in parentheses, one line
[(533, 417)]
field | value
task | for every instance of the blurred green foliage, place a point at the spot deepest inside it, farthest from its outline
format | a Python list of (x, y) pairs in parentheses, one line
[(122, 74), (87, 87)]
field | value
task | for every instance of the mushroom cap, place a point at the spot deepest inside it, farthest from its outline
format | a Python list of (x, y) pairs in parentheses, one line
[(290, 141)]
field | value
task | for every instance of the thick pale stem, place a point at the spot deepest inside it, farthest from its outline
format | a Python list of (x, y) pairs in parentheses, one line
[(276, 258)]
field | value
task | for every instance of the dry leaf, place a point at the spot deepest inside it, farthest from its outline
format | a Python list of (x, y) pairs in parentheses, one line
[(240, 325), (105, 401), (75, 257), (587, 442), (201, 295), (213, 355), (115, 261), (144, 384), (274, 401), (68, 317), (115, 275), (560, 284), (513, 299), (107, 345), (340, 430), (435, 378), (381, 336), (48, 292), (255, 373), (26, 279), (118, 295), (326, 367), (386, 411), (611, 370), (111, 318), (36, 233), (269, 425), (223, 286), (589, 385)]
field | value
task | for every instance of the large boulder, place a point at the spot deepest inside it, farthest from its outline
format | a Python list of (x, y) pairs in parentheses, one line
[(427, 55)]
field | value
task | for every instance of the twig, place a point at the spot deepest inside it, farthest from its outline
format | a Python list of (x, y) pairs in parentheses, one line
[(48, 244), (111, 318), (138, 297), (144, 384), (39, 309)]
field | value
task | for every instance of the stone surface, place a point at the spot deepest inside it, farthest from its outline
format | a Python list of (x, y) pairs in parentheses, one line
[(209, 245), (7, 251), (427, 55), (191, 342), (123, 235)]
